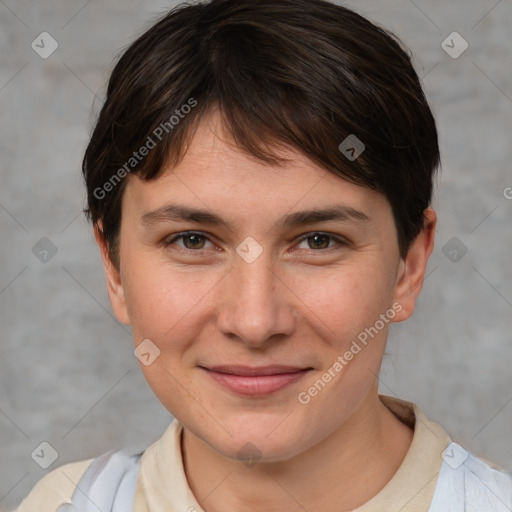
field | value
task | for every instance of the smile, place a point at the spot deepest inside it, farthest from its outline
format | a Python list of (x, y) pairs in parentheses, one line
[(255, 381)]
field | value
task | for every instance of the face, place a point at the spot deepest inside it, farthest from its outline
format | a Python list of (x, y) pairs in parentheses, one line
[(257, 289)]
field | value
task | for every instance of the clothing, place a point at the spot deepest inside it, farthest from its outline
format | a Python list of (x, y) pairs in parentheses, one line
[(162, 485)]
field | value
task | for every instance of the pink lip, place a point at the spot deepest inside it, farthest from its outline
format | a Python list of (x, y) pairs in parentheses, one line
[(256, 381)]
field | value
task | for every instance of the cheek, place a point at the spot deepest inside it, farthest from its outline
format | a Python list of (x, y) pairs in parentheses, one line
[(344, 309), (164, 303), (343, 301), (168, 307)]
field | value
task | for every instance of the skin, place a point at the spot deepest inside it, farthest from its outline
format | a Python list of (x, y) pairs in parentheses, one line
[(295, 304)]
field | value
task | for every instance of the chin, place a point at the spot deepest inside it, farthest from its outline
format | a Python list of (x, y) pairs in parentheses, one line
[(256, 442)]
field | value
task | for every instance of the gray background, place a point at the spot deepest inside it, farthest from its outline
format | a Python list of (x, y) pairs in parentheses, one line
[(68, 375)]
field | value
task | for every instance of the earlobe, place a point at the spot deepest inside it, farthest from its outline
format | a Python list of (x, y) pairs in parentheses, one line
[(115, 286), (411, 271)]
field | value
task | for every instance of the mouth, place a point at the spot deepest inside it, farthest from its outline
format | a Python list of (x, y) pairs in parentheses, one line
[(255, 381)]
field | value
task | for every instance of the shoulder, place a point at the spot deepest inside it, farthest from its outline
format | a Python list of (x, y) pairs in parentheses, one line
[(55, 488), (467, 482)]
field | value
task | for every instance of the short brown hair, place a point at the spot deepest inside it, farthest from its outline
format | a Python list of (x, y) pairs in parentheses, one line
[(303, 73)]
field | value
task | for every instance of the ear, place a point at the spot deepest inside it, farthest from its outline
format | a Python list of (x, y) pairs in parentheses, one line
[(115, 287), (411, 272)]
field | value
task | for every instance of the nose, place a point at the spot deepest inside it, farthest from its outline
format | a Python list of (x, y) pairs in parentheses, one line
[(256, 305)]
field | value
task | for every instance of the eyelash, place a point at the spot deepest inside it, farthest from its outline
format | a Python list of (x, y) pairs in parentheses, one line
[(168, 242)]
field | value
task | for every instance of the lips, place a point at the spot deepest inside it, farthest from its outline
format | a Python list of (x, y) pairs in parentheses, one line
[(252, 371), (255, 381)]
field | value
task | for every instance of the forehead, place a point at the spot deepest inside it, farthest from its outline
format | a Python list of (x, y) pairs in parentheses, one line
[(216, 175)]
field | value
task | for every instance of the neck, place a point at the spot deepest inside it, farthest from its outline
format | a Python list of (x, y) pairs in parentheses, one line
[(342, 472)]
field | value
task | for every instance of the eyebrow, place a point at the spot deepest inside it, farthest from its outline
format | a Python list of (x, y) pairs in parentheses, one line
[(179, 212)]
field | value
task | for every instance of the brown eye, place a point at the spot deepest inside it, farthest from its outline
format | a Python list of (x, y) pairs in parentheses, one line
[(195, 240), (320, 241), (191, 241)]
